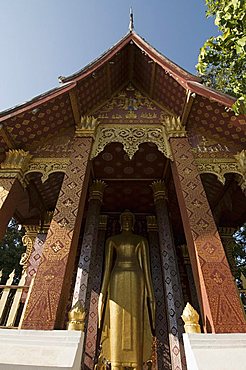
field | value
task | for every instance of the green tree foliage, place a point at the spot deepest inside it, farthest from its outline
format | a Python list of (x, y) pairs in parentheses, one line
[(222, 59), (240, 250), (11, 248)]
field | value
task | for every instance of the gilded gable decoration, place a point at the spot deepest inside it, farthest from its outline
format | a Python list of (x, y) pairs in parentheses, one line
[(130, 106), (131, 137)]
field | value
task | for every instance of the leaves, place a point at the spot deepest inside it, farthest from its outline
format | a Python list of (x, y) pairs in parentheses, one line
[(222, 59), (11, 249), (239, 250)]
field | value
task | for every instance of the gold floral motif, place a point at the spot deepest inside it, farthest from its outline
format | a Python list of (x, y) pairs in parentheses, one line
[(76, 317), (191, 319), (131, 137), (3, 195), (209, 146)]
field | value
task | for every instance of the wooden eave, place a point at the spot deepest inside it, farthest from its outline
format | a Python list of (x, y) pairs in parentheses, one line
[(164, 74)]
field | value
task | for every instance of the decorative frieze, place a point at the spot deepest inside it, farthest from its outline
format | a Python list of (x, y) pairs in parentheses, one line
[(131, 137), (46, 166), (222, 166)]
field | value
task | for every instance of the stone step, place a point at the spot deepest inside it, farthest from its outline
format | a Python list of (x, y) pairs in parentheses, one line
[(39, 349)]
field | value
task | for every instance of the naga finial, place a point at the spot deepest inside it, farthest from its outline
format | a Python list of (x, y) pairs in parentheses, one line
[(131, 24)]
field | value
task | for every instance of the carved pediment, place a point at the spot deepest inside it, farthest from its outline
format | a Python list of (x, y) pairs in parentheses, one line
[(130, 106)]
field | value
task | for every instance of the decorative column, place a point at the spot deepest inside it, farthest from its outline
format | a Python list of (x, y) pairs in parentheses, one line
[(188, 270), (92, 339), (226, 235), (174, 298), (89, 242), (218, 296), (12, 184), (162, 339), (46, 307), (34, 240)]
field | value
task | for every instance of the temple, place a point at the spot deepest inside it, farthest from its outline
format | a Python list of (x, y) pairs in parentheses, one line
[(132, 130)]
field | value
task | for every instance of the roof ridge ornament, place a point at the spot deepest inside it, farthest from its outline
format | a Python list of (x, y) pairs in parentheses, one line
[(131, 24)]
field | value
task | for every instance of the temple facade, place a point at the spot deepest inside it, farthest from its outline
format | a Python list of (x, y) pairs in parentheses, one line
[(132, 130)]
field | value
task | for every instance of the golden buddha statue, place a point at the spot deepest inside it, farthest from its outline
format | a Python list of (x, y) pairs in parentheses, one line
[(126, 287)]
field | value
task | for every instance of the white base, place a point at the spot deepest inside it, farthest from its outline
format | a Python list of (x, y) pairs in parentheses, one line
[(40, 349), (215, 351)]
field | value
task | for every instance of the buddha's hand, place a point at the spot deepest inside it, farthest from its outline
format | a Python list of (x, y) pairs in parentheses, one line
[(101, 302)]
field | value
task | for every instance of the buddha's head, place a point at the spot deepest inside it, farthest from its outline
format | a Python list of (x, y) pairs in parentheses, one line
[(127, 220)]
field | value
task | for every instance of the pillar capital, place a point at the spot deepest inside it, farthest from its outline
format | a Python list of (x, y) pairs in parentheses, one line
[(174, 127), (159, 190), (185, 253), (28, 241), (226, 232), (103, 219), (151, 223), (15, 165), (96, 190), (47, 221), (87, 127), (241, 161)]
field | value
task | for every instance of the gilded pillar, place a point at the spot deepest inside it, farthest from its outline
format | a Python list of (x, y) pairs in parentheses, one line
[(162, 339), (92, 332), (218, 297), (12, 184), (174, 298), (89, 242), (46, 307)]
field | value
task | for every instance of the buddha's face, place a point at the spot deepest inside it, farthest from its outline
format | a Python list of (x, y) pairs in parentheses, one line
[(127, 221)]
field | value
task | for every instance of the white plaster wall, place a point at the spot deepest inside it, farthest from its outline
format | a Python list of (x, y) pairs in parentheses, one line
[(215, 351), (38, 349)]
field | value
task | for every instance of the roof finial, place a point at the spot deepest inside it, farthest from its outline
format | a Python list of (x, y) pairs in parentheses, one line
[(131, 24)]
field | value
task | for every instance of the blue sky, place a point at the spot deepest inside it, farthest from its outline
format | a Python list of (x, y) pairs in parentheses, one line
[(43, 39)]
